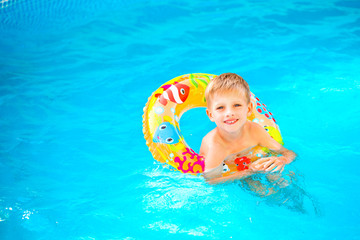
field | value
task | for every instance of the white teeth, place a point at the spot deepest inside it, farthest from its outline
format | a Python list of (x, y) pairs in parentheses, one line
[(230, 121)]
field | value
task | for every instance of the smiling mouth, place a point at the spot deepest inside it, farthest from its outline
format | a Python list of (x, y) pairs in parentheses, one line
[(230, 122)]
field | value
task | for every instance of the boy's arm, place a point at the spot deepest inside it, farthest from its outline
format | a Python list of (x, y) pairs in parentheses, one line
[(272, 163), (214, 158), (232, 177)]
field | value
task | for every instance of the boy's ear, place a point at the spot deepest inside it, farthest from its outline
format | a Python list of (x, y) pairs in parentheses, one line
[(250, 109), (209, 115)]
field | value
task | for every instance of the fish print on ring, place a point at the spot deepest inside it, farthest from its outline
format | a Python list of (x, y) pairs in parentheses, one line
[(176, 93), (166, 133)]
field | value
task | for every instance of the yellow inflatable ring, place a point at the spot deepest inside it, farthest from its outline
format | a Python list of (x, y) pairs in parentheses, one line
[(162, 115)]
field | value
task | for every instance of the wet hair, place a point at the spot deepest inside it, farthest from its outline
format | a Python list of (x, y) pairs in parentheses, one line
[(227, 82)]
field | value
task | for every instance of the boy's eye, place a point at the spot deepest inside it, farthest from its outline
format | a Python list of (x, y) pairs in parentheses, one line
[(219, 108), (237, 105)]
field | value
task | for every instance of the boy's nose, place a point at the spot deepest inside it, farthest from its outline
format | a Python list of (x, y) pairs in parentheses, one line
[(229, 114)]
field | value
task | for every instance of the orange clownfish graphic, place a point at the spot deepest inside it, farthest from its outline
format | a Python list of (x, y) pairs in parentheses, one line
[(242, 163), (176, 93)]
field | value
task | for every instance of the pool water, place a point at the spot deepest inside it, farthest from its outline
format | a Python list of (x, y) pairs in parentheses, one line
[(75, 76)]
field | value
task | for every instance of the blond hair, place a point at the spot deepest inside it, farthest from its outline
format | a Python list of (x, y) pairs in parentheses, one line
[(227, 82)]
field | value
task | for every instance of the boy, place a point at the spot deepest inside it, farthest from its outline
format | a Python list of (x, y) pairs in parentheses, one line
[(228, 105)]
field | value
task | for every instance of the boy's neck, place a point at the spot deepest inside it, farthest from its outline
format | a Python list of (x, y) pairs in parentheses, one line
[(230, 138)]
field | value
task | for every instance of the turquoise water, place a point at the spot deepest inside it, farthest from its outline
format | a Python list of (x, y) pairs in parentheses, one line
[(75, 76)]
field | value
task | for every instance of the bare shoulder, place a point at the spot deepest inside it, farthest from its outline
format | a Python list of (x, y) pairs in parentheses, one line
[(254, 127), (212, 150), (263, 137), (257, 131), (206, 141)]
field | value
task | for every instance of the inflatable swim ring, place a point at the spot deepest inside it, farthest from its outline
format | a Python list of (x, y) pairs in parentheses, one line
[(161, 126)]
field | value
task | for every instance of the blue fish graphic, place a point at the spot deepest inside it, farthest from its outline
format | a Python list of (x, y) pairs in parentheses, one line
[(166, 133)]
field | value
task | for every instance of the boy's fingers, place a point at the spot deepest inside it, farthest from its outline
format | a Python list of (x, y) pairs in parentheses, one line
[(277, 169), (264, 166), (270, 167), (261, 161), (259, 167), (269, 163)]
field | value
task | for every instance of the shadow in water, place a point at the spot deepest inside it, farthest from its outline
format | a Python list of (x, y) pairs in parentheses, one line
[(284, 190)]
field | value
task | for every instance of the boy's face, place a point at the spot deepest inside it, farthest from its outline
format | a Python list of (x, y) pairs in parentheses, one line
[(229, 110)]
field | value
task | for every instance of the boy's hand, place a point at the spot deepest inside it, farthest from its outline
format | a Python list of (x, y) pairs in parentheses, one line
[(268, 164)]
